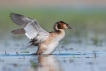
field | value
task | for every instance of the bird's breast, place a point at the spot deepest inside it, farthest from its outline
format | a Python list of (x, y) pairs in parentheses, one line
[(51, 44)]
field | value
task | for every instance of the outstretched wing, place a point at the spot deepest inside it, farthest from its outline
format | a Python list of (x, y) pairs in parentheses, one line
[(30, 27)]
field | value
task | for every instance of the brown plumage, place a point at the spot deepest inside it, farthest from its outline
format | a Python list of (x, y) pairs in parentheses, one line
[(46, 42)]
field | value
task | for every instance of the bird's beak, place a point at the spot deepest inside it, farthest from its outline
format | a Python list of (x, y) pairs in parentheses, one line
[(70, 27)]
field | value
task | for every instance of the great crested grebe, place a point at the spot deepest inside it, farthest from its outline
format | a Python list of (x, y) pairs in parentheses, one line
[(46, 41)]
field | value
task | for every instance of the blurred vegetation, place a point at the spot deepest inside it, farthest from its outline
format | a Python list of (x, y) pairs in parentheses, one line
[(87, 22)]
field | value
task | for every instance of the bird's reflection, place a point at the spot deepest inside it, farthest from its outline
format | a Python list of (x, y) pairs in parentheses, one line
[(48, 63)]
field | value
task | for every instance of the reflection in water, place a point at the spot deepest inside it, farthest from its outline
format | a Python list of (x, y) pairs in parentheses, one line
[(48, 63), (45, 63)]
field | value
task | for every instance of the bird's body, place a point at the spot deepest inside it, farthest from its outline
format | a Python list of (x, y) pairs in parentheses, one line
[(46, 41), (50, 44)]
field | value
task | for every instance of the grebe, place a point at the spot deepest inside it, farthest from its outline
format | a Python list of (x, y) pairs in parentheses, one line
[(46, 41)]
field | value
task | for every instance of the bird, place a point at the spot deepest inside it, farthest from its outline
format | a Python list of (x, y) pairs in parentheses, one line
[(46, 41)]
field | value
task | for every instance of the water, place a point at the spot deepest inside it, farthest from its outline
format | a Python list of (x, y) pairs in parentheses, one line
[(75, 61), (15, 55)]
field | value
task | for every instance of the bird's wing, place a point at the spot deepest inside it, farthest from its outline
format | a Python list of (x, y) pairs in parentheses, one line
[(19, 31), (31, 28)]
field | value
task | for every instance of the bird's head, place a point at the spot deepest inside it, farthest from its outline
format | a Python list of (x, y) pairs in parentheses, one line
[(62, 25)]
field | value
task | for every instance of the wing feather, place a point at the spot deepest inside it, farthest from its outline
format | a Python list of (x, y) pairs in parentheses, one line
[(18, 19), (19, 31), (31, 31), (31, 27)]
